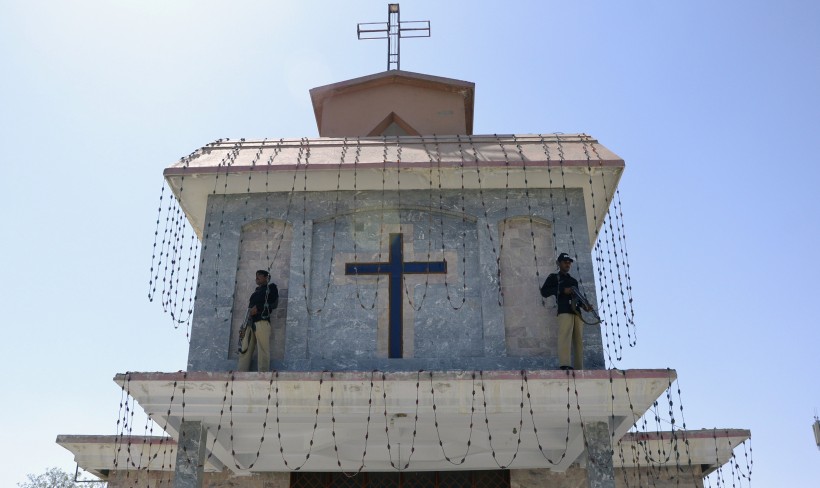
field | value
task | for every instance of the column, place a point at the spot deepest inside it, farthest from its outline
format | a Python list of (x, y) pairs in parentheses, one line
[(298, 321), (600, 473), (491, 313), (190, 470)]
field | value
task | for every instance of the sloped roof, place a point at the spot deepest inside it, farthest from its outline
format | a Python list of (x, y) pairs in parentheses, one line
[(504, 161), (434, 84)]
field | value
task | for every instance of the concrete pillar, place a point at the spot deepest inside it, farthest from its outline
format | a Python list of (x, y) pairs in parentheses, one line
[(298, 321), (190, 470), (600, 473), (492, 314)]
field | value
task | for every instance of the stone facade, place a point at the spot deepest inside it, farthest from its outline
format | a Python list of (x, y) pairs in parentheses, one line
[(329, 320)]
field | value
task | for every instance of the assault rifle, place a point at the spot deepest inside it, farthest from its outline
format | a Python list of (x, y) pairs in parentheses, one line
[(585, 307)]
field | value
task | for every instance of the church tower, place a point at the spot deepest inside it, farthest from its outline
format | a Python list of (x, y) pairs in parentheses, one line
[(411, 345), (399, 240)]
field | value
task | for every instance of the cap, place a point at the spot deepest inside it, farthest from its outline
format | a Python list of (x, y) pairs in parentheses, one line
[(263, 272), (564, 257)]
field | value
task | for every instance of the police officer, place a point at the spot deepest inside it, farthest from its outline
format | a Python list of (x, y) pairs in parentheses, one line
[(260, 308), (570, 326)]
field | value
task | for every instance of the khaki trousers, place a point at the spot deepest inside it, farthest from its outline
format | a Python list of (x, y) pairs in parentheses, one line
[(253, 339), (570, 336)]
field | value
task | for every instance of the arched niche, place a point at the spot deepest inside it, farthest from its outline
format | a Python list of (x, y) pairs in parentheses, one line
[(527, 246), (263, 244)]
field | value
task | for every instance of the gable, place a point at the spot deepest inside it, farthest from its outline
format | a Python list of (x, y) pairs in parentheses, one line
[(418, 104)]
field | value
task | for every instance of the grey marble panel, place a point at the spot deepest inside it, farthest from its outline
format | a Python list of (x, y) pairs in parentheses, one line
[(189, 469), (327, 326), (600, 472)]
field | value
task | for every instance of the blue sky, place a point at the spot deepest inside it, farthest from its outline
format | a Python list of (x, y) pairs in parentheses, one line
[(714, 106)]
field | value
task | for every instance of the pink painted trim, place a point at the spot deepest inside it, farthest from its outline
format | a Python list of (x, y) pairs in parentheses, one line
[(111, 439), (689, 434), (262, 168)]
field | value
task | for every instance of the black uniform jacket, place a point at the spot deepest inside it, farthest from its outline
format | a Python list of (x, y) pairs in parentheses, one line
[(554, 286), (264, 307)]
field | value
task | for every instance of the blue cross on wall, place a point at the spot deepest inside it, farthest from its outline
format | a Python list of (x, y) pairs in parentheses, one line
[(396, 268)]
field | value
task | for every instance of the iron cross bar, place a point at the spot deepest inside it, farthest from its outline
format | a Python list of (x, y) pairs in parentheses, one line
[(396, 268), (393, 30)]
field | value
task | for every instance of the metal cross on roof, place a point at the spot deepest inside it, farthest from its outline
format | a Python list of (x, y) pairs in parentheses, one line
[(393, 30)]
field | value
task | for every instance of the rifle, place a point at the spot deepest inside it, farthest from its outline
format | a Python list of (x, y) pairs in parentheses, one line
[(248, 322), (586, 306)]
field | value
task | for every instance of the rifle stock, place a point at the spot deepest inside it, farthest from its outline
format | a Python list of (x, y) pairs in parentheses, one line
[(243, 330)]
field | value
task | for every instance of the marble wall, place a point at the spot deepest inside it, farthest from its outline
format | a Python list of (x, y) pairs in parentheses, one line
[(460, 319)]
